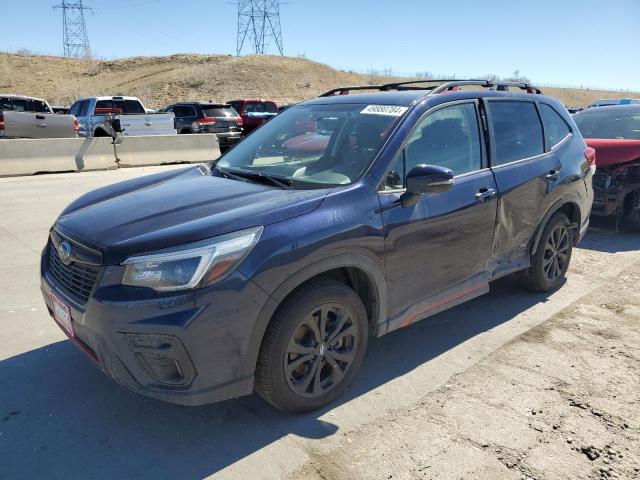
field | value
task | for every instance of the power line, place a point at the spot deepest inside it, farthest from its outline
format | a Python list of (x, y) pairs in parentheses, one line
[(75, 41), (259, 25)]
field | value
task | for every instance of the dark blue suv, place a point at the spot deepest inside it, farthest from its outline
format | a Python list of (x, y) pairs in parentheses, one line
[(345, 216)]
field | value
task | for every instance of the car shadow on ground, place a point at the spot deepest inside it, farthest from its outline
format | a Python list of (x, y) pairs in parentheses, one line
[(60, 417), (602, 236)]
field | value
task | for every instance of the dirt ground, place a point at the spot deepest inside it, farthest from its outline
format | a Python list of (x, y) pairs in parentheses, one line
[(159, 81), (561, 401)]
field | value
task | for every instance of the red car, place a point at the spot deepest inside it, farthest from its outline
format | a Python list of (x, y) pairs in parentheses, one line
[(614, 132), (254, 112)]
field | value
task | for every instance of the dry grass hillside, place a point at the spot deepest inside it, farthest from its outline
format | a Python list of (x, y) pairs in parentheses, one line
[(159, 81)]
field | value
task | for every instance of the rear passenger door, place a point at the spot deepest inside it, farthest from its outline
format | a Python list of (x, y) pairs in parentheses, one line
[(438, 249), (526, 176)]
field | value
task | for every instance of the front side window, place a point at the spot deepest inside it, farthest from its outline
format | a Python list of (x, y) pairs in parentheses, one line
[(310, 145), (555, 128), (448, 137), (517, 131)]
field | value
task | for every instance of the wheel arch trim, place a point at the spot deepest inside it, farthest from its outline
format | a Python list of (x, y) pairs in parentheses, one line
[(363, 263)]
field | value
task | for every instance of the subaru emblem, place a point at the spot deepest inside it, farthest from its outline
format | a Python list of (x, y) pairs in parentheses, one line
[(64, 250)]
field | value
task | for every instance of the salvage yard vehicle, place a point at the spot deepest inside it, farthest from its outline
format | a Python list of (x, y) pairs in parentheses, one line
[(28, 117), (604, 102), (208, 117), (97, 116), (261, 270), (614, 133), (254, 112)]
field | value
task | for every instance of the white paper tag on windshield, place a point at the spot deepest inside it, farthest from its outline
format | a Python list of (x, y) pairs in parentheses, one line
[(389, 110)]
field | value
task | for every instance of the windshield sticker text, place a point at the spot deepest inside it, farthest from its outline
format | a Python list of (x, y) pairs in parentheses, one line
[(389, 110)]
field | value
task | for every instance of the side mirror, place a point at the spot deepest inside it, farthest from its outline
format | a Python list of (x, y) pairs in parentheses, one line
[(426, 179)]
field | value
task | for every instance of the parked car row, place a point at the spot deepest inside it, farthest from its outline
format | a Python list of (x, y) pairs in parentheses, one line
[(344, 217), (27, 117), (108, 116)]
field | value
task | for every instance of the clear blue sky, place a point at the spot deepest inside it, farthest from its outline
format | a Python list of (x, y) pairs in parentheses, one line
[(588, 42)]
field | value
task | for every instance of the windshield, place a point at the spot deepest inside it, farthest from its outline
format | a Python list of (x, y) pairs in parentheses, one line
[(315, 144), (621, 123), (260, 107)]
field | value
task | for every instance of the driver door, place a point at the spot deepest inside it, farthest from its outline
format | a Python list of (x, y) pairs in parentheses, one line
[(437, 251)]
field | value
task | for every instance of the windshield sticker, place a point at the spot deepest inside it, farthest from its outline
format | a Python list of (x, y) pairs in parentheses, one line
[(389, 110)]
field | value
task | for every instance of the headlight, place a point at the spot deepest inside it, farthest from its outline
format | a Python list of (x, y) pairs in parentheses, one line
[(200, 264)]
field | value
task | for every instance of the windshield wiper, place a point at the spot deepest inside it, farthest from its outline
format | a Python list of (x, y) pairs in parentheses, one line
[(283, 183)]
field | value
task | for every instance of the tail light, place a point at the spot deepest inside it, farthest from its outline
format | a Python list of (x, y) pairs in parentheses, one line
[(202, 122), (1, 122), (205, 120), (76, 127), (590, 155), (239, 121)]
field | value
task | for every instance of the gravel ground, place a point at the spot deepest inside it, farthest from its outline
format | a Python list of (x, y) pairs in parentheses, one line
[(561, 401)]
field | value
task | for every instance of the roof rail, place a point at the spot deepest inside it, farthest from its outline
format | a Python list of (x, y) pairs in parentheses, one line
[(441, 86)]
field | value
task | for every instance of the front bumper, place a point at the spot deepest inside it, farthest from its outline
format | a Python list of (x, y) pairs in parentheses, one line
[(188, 348)]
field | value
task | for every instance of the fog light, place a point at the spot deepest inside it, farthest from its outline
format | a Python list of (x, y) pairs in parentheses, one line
[(163, 357)]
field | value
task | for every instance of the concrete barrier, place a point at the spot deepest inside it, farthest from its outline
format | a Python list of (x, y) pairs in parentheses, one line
[(161, 149), (28, 156), (96, 154)]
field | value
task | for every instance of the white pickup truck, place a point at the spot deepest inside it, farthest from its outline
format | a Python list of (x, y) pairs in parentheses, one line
[(28, 117), (96, 115)]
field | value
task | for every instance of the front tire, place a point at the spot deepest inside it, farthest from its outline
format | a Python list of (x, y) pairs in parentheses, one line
[(312, 348), (550, 261)]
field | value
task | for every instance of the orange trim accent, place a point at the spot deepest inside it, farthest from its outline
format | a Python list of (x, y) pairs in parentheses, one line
[(411, 318)]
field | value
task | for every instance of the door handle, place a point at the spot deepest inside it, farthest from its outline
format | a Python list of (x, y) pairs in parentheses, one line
[(485, 194), (40, 117), (553, 174)]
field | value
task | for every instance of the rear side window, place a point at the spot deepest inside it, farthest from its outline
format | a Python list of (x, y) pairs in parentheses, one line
[(517, 131), (5, 104), (20, 105), (555, 128)]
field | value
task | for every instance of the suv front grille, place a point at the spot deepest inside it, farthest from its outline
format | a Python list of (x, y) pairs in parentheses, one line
[(78, 278)]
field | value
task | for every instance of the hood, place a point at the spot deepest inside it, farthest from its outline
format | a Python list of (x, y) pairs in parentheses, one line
[(174, 208), (610, 151)]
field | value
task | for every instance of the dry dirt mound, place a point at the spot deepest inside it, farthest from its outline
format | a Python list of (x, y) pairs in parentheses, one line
[(159, 81)]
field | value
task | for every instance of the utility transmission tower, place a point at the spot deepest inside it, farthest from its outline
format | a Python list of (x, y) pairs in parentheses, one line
[(74, 29), (259, 25)]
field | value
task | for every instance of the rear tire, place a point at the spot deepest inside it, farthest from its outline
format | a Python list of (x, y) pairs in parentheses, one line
[(630, 219), (551, 259), (312, 348)]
